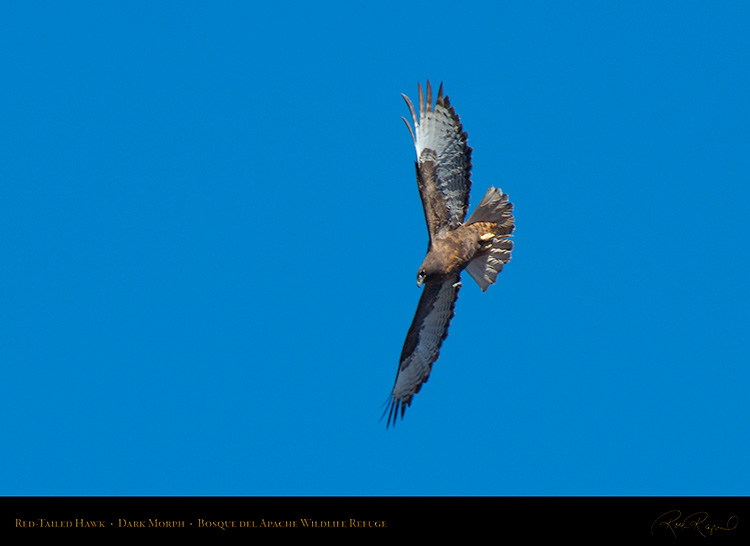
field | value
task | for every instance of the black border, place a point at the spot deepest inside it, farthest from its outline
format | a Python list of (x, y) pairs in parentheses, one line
[(582, 518)]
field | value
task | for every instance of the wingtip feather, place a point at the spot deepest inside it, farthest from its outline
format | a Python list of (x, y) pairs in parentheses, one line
[(411, 131), (410, 105), (421, 101), (392, 410)]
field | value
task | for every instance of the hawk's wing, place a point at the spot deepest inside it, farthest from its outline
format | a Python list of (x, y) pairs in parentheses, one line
[(422, 346), (443, 161)]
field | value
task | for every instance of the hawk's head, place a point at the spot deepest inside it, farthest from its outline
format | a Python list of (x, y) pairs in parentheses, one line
[(431, 270)]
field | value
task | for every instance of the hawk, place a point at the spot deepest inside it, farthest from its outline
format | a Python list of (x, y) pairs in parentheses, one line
[(481, 245)]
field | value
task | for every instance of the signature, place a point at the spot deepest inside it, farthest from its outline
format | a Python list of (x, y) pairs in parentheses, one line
[(697, 521)]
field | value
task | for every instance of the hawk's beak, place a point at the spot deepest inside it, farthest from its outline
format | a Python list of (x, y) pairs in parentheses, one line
[(420, 280)]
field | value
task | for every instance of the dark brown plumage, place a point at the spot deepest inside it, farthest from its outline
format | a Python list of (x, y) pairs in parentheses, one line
[(481, 245)]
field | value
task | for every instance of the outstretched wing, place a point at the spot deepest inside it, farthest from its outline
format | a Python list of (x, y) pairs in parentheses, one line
[(443, 161), (422, 346)]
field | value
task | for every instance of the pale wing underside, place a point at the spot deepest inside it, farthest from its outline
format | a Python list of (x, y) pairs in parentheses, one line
[(443, 161), (422, 347)]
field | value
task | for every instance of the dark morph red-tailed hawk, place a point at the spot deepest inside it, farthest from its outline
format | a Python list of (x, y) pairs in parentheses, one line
[(481, 245)]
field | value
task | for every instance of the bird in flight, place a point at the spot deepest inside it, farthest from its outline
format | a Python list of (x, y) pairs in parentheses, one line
[(481, 245)]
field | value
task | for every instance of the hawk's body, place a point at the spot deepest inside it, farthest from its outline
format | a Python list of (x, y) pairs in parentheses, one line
[(481, 245)]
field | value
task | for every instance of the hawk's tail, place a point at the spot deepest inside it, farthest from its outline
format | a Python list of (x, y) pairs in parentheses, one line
[(496, 209)]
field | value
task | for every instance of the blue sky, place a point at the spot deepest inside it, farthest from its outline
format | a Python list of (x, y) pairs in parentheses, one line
[(212, 232)]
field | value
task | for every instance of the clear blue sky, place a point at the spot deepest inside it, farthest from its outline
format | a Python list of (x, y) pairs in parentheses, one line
[(211, 232)]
